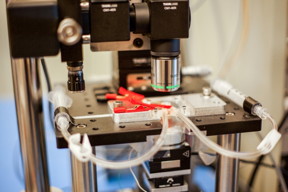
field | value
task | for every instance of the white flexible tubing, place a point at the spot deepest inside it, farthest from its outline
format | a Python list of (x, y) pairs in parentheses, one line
[(205, 140), (129, 163), (59, 98), (263, 114), (273, 122)]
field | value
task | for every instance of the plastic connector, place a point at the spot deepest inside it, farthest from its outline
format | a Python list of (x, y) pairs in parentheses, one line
[(81, 151), (62, 122), (225, 89), (207, 159), (269, 142), (59, 98), (260, 112)]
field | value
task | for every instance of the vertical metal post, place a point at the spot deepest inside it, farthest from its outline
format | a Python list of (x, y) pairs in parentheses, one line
[(28, 98), (227, 168), (93, 174), (94, 177), (83, 176)]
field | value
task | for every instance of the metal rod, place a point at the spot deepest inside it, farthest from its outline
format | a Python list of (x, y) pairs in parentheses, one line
[(94, 177), (82, 176), (228, 168), (28, 99), (92, 116), (93, 173)]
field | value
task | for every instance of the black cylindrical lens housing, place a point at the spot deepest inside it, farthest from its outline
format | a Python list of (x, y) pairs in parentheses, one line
[(76, 82)]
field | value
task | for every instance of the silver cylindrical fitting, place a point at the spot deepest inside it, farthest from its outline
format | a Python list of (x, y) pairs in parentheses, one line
[(86, 39), (85, 5), (165, 72), (69, 32)]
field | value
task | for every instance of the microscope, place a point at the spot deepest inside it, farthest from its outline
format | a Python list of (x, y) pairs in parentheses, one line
[(146, 37)]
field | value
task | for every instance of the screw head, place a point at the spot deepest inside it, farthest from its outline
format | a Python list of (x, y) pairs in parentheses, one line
[(69, 32), (230, 114), (206, 91)]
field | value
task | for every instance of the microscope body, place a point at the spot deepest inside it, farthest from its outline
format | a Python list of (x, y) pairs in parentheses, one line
[(147, 36), (107, 25)]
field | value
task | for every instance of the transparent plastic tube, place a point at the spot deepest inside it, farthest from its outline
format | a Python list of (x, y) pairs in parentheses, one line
[(129, 163), (263, 114), (59, 98), (203, 138)]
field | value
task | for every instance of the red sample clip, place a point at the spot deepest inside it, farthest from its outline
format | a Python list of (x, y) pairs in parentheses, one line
[(134, 100)]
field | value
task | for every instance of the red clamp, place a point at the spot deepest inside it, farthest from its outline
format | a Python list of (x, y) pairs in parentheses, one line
[(135, 99)]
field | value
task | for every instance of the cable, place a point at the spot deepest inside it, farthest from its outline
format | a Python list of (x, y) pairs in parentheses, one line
[(277, 169), (280, 170), (255, 170), (283, 121), (257, 163), (43, 62), (133, 174), (261, 158), (49, 87)]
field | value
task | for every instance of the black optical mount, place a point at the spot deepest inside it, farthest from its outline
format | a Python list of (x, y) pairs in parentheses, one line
[(46, 27)]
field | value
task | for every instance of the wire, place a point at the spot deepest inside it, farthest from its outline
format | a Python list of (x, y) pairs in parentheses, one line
[(133, 174), (49, 87), (283, 121), (277, 169), (255, 170), (43, 62), (280, 170), (256, 163), (261, 158)]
